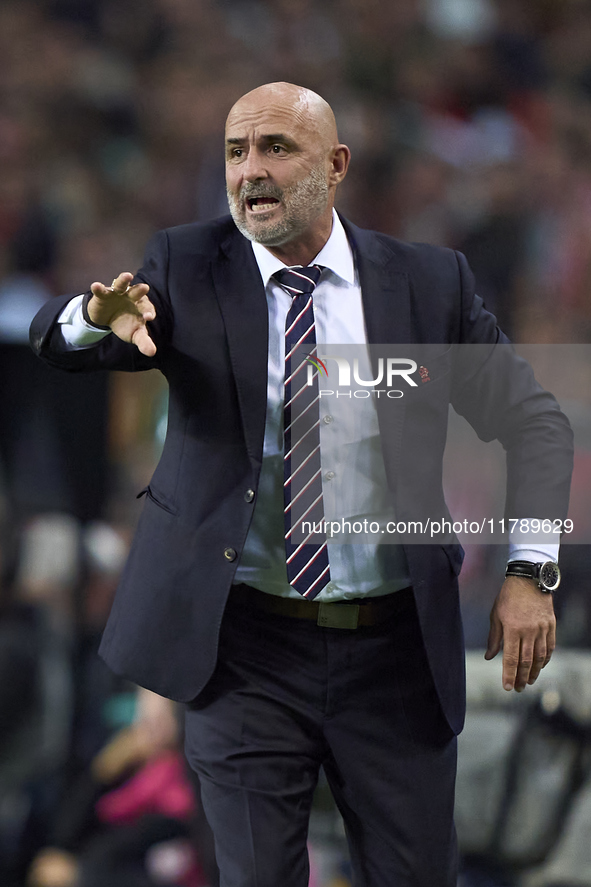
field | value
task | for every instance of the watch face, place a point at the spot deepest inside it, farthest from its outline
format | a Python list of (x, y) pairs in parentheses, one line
[(550, 576)]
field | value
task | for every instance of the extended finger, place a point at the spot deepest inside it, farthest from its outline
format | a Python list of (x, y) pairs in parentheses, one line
[(495, 637), (510, 661), (550, 643), (138, 294), (119, 286), (539, 658), (526, 663), (532, 659), (99, 289), (121, 283), (143, 342)]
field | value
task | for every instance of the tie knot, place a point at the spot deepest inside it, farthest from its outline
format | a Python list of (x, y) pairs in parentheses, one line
[(299, 279)]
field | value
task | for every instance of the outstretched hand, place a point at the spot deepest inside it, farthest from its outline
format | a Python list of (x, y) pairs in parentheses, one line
[(522, 620), (125, 309)]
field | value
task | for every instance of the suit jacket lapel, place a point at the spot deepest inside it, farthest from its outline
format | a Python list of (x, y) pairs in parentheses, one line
[(385, 294), (384, 288), (241, 296)]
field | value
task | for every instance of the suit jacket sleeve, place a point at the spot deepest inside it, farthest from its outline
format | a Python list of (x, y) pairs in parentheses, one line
[(496, 391), (110, 353)]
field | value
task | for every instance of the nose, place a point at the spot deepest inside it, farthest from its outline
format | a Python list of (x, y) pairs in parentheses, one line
[(253, 168)]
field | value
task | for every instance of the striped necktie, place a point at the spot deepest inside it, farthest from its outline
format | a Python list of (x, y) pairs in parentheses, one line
[(306, 555)]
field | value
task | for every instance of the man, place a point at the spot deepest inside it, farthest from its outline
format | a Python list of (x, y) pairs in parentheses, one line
[(367, 678)]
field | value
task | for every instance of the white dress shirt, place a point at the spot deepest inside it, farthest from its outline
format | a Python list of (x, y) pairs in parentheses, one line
[(354, 481)]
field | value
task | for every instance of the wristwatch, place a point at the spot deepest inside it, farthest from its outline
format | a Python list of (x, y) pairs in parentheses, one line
[(546, 574)]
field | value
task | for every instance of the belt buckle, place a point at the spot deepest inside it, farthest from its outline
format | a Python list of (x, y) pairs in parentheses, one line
[(338, 615)]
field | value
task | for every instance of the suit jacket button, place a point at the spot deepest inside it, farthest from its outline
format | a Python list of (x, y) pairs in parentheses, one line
[(230, 554), (249, 496)]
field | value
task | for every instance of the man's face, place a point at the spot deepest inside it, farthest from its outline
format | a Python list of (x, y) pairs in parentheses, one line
[(276, 173)]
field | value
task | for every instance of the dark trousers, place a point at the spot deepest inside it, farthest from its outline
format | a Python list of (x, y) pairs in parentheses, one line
[(289, 696)]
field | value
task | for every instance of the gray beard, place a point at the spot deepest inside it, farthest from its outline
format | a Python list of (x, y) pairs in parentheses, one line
[(303, 203)]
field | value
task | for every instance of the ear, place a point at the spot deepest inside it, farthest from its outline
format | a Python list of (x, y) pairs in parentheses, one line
[(339, 164)]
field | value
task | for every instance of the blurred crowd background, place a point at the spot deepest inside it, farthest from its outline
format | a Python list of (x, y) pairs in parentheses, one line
[(469, 123)]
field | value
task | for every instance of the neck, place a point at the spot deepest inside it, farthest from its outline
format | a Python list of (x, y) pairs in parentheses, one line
[(303, 251)]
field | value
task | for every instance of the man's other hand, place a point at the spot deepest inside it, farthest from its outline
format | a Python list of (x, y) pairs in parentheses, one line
[(522, 621), (125, 309)]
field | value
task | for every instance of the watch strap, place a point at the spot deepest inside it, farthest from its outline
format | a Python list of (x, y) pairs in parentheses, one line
[(523, 568)]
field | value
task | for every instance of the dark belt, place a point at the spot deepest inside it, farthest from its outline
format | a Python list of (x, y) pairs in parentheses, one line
[(354, 614)]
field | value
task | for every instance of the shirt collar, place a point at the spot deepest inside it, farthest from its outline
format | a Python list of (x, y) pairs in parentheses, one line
[(336, 254)]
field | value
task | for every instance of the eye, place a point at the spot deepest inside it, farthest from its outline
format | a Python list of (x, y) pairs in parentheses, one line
[(277, 149)]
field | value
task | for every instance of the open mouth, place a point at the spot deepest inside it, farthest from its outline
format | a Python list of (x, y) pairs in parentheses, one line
[(261, 204)]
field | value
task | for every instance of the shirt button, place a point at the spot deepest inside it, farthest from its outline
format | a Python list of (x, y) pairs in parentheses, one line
[(230, 554), (329, 475), (249, 496), (327, 420), (329, 587)]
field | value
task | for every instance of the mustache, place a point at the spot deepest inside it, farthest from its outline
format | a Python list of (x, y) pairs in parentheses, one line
[(252, 189)]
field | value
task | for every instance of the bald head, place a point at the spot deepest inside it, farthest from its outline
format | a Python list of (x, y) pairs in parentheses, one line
[(307, 106), (283, 164)]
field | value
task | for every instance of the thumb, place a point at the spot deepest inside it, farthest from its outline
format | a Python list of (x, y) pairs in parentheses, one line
[(495, 636), (98, 289)]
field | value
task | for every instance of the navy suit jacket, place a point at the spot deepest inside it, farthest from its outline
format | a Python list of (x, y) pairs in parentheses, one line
[(211, 334)]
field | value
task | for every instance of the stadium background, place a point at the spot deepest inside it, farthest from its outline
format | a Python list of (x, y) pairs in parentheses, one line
[(470, 126)]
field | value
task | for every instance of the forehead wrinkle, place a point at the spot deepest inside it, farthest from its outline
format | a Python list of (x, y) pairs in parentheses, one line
[(273, 118)]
